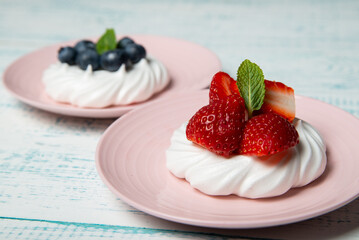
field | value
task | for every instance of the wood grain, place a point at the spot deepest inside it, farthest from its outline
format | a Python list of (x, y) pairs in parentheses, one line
[(49, 187)]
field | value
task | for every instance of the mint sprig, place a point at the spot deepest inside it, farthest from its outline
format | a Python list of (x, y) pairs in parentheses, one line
[(250, 82), (106, 42)]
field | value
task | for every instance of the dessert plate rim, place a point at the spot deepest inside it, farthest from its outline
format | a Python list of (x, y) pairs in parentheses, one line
[(22, 78), (119, 164)]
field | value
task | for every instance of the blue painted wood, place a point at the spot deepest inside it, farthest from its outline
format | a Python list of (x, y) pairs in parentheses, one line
[(49, 187), (34, 229)]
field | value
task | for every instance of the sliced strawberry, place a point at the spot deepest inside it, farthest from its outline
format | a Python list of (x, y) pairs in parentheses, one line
[(222, 85), (279, 99), (218, 126), (267, 134)]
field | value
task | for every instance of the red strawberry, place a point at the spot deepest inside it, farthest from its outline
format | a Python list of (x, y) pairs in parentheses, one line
[(267, 134), (218, 126), (279, 99), (222, 85)]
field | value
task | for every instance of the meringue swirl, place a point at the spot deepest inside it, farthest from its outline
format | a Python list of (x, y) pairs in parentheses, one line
[(248, 176), (99, 89)]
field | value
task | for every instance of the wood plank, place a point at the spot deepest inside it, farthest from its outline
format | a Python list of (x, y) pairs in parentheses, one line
[(49, 187)]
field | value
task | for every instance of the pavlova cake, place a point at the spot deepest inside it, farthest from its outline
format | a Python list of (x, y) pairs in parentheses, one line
[(247, 140), (109, 72)]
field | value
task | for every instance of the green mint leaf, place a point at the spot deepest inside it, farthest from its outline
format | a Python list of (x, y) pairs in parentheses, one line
[(106, 42), (250, 82)]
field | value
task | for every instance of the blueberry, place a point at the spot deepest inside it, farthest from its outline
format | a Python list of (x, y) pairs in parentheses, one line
[(88, 57), (67, 55), (135, 52), (83, 45), (124, 42), (112, 60)]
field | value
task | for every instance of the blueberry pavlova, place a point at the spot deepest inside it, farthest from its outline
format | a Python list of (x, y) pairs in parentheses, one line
[(105, 73), (247, 140)]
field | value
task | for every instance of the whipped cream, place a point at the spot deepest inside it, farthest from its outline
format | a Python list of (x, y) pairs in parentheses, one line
[(248, 176), (98, 89)]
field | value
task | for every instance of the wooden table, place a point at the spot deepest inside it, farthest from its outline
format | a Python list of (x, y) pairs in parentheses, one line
[(49, 187)]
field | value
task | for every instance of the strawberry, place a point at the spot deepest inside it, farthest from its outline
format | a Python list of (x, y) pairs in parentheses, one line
[(267, 134), (279, 99), (218, 126), (222, 85)]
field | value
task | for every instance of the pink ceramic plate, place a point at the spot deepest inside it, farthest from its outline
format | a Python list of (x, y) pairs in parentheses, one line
[(189, 66), (130, 159)]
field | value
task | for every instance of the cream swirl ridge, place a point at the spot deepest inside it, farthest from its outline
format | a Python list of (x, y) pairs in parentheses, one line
[(248, 176), (98, 89)]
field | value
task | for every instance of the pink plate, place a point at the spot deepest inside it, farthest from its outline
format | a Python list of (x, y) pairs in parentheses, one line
[(190, 67), (130, 159)]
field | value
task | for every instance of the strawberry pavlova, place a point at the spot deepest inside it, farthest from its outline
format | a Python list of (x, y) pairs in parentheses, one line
[(247, 141)]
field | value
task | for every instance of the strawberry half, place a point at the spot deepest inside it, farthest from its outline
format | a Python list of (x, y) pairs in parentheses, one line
[(279, 99), (267, 134), (218, 126), (222, 85)]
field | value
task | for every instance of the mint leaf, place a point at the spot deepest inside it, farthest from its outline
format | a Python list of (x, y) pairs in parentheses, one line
[(250, 82), (106, 42)]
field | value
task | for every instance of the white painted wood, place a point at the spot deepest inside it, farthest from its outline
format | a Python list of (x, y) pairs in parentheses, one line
[(49, 187)]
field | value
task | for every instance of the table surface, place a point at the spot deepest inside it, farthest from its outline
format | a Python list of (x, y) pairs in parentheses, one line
[(49, 186)]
